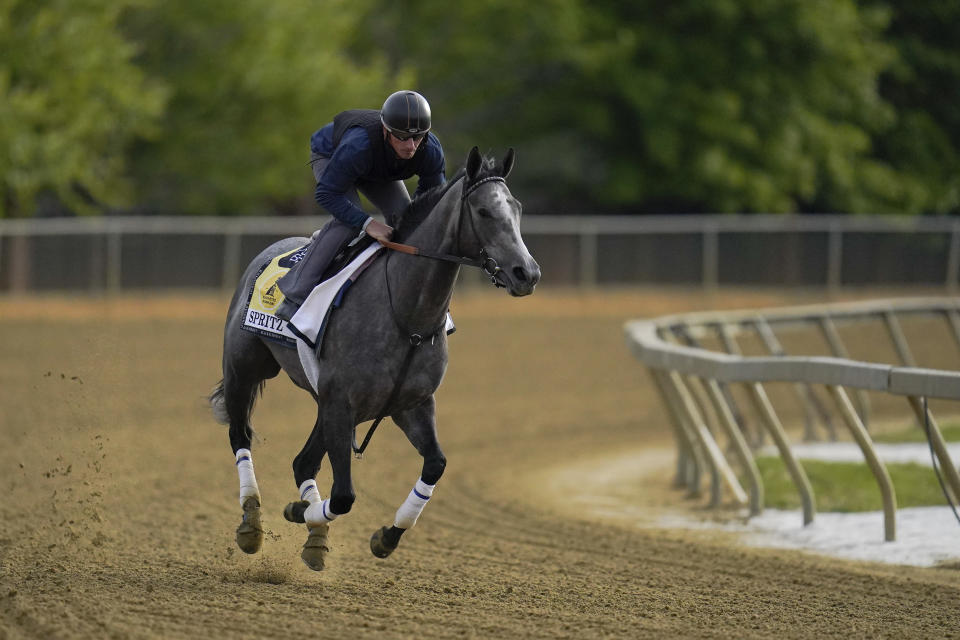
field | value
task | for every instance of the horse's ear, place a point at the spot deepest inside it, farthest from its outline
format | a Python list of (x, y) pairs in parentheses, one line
[(474, 162), (508, 162)]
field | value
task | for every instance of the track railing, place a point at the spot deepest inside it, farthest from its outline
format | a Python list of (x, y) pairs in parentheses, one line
[(120, 253), (695, 386)]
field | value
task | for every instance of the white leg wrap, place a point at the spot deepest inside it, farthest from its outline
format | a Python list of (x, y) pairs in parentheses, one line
[(248, 481), (319, 513), (413, 506), (309, 492), (319, 510)]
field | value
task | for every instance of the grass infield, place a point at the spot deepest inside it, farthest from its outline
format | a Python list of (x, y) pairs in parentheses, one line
[(851, 486)]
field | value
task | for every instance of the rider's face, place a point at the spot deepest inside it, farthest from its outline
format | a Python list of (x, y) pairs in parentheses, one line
[(403, 148)]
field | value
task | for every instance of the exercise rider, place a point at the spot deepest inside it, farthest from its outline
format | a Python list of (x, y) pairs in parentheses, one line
[(371, 152)]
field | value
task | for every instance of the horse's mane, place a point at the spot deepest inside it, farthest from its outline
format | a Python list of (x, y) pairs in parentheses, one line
[(421, 206)]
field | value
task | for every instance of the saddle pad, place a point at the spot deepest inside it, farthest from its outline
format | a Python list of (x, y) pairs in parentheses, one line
[(265, 297), (310, 319)]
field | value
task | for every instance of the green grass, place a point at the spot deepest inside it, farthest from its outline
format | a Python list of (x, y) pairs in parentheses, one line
[(951, 433), (848, 486)]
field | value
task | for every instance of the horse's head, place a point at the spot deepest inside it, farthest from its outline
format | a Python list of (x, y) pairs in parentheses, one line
[(494, 216)]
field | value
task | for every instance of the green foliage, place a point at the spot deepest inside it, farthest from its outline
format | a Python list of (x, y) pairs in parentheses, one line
[(251, 82), (719, 105), (924, 89), (497, 74), (848, 486), (71, 103)]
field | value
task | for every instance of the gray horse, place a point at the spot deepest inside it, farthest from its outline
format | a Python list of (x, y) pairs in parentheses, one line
[(385, 350)]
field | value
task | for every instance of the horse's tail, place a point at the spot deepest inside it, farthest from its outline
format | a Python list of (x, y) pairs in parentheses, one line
[(218, 404)]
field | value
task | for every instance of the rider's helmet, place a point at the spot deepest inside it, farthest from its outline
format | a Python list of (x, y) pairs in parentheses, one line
[(406, 114)]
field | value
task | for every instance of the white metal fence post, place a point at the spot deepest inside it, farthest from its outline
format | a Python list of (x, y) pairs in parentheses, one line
[(953, 260), (834, 259), (711, 258), (231, 260), (114, 262), (863, 440), (588, 255)]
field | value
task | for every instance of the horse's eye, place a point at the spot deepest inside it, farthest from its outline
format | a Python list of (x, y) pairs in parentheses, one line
[(483, 213)]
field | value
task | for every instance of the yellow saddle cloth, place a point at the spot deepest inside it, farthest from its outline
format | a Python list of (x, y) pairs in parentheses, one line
[(265, 297)]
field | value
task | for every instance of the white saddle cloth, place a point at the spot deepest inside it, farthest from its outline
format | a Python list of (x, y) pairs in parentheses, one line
[(307, 322)]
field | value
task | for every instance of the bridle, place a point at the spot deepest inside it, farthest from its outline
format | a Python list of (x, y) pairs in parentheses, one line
[(484, 262)]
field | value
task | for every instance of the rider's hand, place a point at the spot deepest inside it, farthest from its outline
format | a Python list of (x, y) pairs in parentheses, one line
[(379, 231)]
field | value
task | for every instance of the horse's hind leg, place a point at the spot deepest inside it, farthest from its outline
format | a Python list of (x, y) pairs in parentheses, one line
[(245, 369), (420, 427)]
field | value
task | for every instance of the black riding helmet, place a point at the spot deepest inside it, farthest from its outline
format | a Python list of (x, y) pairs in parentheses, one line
[(406, 114)]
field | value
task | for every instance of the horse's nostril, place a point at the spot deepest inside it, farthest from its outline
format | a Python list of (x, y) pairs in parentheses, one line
[(520, 274)]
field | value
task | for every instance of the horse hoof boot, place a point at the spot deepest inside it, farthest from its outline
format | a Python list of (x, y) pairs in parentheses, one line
[(380, 543), (250, 531), (315, 549), (293, 512)]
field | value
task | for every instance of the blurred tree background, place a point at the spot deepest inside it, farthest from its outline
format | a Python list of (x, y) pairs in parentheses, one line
[(709, 106)]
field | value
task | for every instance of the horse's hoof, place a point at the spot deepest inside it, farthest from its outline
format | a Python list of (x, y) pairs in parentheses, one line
[(293, 512), (381, 543), (250, 531), (315, 549)]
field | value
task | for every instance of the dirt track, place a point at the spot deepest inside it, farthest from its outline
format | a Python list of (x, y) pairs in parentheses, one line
[(119, 496)]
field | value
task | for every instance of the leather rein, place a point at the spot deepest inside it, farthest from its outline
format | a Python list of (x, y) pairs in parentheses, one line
[(484, 262)]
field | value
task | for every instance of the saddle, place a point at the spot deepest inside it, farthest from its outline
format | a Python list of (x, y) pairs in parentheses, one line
[(311, 320), (346, 254)]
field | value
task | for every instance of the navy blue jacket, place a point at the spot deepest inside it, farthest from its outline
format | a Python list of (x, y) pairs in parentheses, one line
[(361, 154)]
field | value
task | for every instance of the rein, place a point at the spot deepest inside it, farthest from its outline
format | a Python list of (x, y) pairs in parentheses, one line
[(484, 262), (447, 257)]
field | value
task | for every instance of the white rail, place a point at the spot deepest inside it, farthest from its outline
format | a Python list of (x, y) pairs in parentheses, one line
[(693, 384)]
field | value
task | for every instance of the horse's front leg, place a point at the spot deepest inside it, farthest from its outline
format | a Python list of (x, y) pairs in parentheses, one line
[(305, 468), (420, 426), (329, 436)]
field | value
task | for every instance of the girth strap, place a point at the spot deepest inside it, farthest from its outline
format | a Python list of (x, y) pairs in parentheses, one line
[(415, 341)]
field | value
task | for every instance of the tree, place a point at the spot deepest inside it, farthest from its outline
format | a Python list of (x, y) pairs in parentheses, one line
[(720, 106), (250, 83), (71, 103), (747, 106), (497, 73), (924, 88)]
